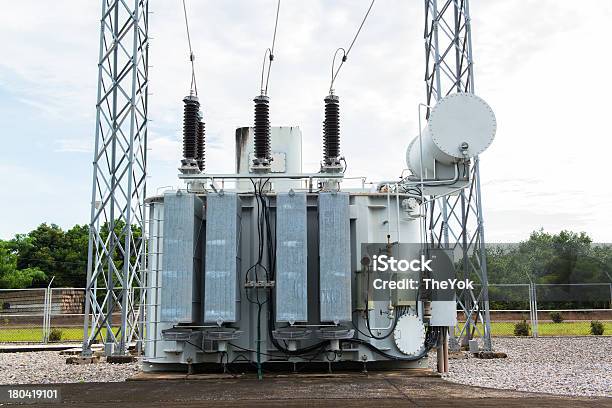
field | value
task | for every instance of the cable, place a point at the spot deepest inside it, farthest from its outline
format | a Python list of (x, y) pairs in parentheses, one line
[(270, 55), (390, 356), (262, 228), (346, 54), (264, 225), (367, 315), (194, 87)]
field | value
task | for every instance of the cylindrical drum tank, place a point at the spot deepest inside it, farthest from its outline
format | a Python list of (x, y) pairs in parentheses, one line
[(460, 126)]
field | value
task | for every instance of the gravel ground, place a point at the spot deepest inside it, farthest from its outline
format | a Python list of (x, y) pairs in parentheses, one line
[(572, 366), (50, 367), (580, 366)]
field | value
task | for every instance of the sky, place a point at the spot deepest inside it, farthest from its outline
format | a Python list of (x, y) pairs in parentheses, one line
[(541, 65)]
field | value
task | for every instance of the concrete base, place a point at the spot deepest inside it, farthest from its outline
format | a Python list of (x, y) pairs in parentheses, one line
[(458, 355), (490, 354), (76, 351), (79, 360), (166, 376), (358, 391), (120, 359), (27, 348)]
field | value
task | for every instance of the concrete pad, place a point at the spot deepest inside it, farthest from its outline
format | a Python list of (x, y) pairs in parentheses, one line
[(121, 359), (358, 392), (169, 376), (22, 348), (79, 360), (490, 354)]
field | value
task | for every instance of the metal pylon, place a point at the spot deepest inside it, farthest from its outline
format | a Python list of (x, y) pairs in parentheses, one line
[(114, 289), (457, 221)]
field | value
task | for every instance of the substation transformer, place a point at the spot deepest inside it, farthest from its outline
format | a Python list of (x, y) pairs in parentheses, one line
[(272, 267)]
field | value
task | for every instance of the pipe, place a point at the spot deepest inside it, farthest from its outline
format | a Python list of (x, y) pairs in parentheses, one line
[(434, 182), (445, 348), (391, 322), (398, 213), (388, 214)]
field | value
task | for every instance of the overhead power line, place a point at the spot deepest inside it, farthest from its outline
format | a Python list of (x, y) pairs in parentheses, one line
[(347, 52), (269, 55), (193, 89)]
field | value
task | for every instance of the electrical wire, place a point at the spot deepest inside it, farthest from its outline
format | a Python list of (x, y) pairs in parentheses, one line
[(269, 55), (265, 233), (193, 87), (261, 234), (367, 315), (431, 340), (346, 54), (265, 226)]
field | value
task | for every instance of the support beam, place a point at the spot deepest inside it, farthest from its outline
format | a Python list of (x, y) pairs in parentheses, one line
[(114, 288), (457, 221)]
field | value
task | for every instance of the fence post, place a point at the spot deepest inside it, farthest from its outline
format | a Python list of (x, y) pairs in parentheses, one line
[(47, 312), (530, 291), (535, 310), (46, 307)]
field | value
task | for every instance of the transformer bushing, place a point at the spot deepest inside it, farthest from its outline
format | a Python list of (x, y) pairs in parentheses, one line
[(191, 125), (331, 135), (263, 153), (201, 143)]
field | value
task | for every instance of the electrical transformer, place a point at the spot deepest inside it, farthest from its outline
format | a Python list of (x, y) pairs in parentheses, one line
[(273, 266)]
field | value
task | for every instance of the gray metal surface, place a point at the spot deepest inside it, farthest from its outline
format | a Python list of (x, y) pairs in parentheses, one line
[(291, 258), (153, 276), (334, 257), (119, 179), (182, 262), (222, 262), (459, 218)]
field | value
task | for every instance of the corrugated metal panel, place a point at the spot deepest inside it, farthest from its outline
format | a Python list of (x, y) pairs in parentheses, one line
[(154, 274), (291, 255), (222, 262), (181, 262), (334, 257)]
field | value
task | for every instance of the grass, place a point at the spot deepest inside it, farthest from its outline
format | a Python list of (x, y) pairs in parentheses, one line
[(581, 328), (69, 334), (35, 334)]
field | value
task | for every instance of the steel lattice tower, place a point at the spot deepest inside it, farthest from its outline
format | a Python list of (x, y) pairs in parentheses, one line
[(116, 258), (457, 221)]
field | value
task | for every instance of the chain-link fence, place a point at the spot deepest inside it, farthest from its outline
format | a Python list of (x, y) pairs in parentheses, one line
[(56, 314), (23, 315), (549, 309), (41, 315), (66, 313)]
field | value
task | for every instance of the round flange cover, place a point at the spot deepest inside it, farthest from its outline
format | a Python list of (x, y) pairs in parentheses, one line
[(409, 334), (462, 117)]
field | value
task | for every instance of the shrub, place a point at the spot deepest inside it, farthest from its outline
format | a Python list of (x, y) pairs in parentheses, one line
[(521, 328), (556, 317), (55, 335), (597, 328)]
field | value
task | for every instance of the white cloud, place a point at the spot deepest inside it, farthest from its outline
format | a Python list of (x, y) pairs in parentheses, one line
[(80, 145), (537, 63)]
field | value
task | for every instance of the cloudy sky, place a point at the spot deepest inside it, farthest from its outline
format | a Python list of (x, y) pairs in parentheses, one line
[(541, 64)]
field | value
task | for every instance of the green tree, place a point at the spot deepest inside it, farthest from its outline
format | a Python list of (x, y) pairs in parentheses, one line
[(63, 254), (59, 253), (556, 259), (13, 278)]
